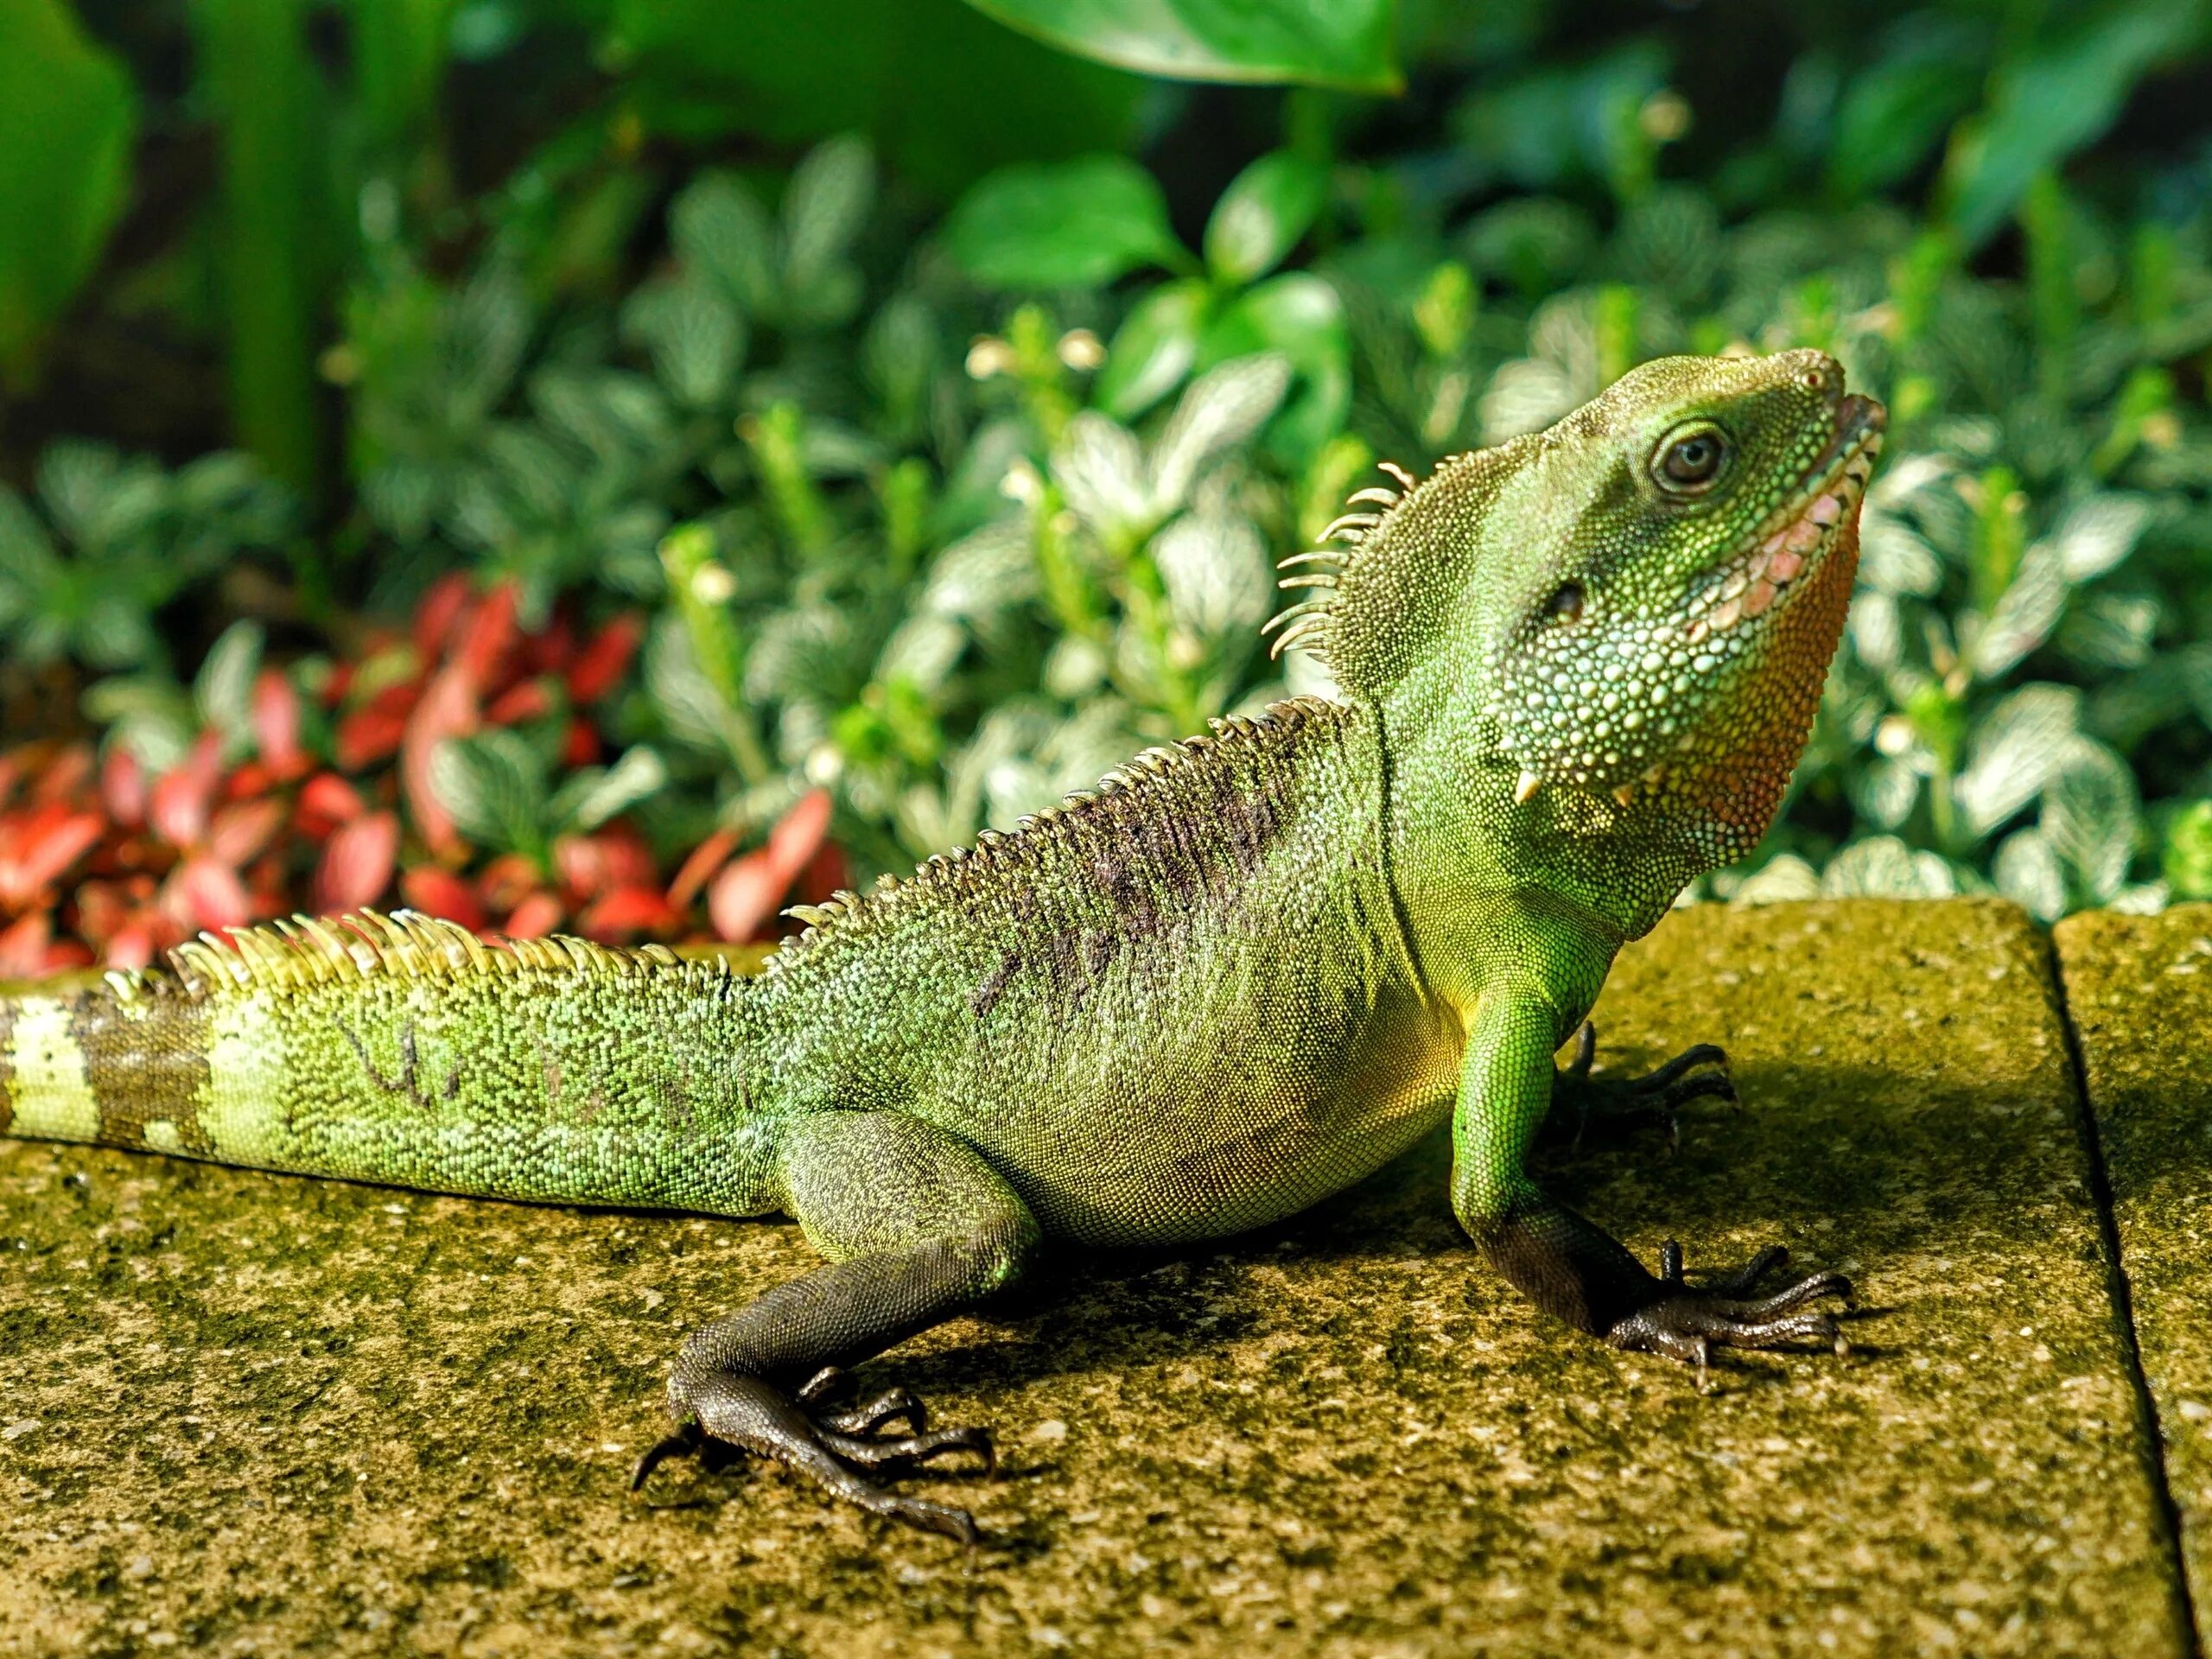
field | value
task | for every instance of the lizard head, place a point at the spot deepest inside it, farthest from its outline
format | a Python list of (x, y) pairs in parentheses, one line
[(1630, 614)]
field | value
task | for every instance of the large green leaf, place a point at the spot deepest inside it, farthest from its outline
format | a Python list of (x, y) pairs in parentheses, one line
[(1261, 216), (1346, 43), (1075, 224), (67, 117), (2050, 103), (945, 93)]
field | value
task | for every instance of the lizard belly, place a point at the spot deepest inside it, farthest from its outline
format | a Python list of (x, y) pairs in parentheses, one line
[(1193, 1137)]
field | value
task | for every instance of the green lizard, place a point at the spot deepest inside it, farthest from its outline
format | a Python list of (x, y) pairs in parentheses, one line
[(1576, 671)]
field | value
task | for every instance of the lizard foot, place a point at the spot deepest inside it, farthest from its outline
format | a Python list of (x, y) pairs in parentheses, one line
[(1688, 1323), (725, 1412), (1612, 1106)]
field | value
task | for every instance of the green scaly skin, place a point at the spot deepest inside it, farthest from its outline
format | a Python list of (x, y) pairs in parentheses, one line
[(1576, 671)]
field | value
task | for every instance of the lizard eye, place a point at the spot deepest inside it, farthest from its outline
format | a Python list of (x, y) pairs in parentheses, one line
[(1566, 604), (1690, 458)]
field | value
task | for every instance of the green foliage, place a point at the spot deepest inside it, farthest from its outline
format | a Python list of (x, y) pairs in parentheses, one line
[(942, 91), (1073, 225), (67, 117), (254, 62), (1082, 224), (1346, 44), (946, 511), (110, 540)]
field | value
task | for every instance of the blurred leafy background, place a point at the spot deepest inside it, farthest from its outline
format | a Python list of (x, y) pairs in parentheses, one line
[(617, 464)]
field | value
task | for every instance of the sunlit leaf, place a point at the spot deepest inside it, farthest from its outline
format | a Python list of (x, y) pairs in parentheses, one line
[(1346, 43), (1077, 224), (2050, 103), (1262, 215), (1154, 349)]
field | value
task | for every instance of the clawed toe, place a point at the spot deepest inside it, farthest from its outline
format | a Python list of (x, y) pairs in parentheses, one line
[(1610, 1105), (727, 1413), (1688, 1323), (873, 1452)]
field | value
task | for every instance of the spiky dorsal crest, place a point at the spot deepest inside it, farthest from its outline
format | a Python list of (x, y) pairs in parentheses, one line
[(1374, 603), (999, 859), (310, 950), (1305, 624)]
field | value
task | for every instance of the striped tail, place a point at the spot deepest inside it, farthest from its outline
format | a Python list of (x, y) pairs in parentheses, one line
[(406, 1051)]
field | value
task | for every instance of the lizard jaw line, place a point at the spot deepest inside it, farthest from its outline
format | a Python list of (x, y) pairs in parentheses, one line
[(1795, 543)]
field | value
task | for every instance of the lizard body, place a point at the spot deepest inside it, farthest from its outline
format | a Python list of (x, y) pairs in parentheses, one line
[(1247, 970)]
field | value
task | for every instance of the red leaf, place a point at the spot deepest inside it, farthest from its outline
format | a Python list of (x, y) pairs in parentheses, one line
[(550, 649), (209, 895), (248, 780), (826, 872), (134, 944), (606, 659), (240, 831), (276, 718), (528, 701), (36, 850), (436, 890), (327, 801), (488, 637), (627, 911), (357, 864), (706, 858), (368, 736), (533, 919), (23, 946), (616, 857), (507, 880), (799, 832), (580, 746), (123, 787), (183, 795), (448, 710), (64, 775), (435, 617), (744, 896)]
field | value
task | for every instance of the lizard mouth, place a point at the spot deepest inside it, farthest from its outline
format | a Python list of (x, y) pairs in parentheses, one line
[(1793, 543)]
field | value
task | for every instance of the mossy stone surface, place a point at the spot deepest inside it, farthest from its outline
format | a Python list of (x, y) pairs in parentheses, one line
[(2140, 990), (253, 1414)]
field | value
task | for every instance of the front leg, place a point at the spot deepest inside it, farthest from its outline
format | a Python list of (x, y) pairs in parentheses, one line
[(918, 1227), (1564, 1264)]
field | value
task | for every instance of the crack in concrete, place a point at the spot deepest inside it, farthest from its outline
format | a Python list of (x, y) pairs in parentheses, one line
[(2122, 1295)]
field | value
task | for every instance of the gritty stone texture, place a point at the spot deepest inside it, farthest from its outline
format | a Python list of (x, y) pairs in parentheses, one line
[(248, 1413), (2140, 989)]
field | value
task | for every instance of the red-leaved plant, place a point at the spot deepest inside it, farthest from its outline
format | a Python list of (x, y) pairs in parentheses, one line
[(101, 864)]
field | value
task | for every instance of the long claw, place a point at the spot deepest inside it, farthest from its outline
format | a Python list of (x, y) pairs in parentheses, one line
[(1686, 1323), (685, 1441), (1740, 1281), (1609, 1105), (893, 1404), (869, 1453), (1689, 1059), (935, 1517), (725, 1414), (1585, 1052)]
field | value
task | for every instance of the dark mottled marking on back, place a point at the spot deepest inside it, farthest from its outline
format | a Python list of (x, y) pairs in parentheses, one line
[(146, 1067), (7, 1064), (986, 995)]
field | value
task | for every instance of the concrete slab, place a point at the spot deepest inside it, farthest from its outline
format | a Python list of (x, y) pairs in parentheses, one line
[(2140, 990), (245, 1414)]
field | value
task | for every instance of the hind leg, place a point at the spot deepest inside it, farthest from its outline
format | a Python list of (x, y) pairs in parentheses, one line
[(916, 1227)]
